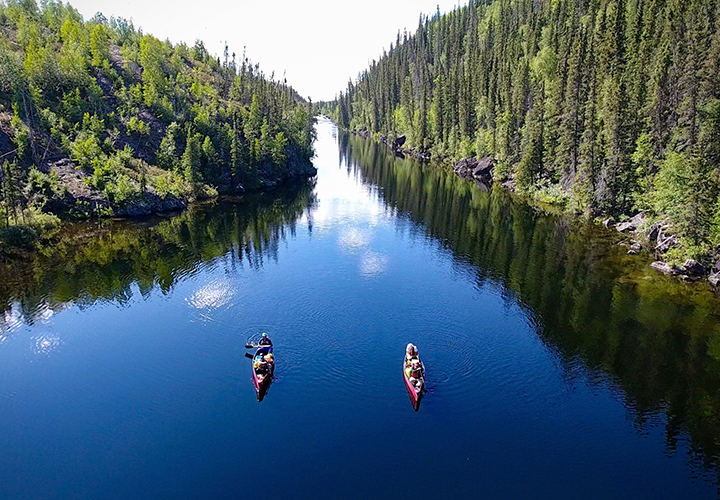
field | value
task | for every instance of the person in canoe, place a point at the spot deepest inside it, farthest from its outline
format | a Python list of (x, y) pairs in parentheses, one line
[(411, 353), (416, 375), (265, 340), (262, 364)]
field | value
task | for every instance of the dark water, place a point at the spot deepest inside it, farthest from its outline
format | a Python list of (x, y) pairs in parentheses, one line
[(557, 366)]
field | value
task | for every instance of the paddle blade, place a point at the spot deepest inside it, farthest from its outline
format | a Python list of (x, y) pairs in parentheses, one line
[(249, 346), (248, 355)]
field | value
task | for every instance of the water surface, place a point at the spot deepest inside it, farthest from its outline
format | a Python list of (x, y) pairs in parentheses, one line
[(557, 366)]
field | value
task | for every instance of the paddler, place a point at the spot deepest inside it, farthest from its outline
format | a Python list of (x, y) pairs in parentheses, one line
[(265, 340), (261, 364), (416, 373), (411, 353)]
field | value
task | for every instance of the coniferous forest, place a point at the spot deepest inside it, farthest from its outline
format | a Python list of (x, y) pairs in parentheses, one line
[(608, 107), (99, 118)]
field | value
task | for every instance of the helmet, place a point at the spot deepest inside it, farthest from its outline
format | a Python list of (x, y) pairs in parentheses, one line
[(264, 334)]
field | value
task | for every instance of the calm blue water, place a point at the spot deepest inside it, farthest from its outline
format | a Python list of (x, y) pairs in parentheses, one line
[(128, 379)]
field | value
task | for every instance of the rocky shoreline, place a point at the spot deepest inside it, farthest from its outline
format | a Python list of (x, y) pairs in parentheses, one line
[(80, 202), (655, 238), (397, 146)]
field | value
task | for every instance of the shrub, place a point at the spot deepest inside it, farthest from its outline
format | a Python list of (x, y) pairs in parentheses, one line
[(137, 126)]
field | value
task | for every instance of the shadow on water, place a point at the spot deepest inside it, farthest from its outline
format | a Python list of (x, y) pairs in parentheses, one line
[(102, 260), (655, 339)]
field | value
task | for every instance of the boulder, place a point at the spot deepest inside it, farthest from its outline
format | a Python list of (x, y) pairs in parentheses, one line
[(635, 248), (465, 167), (665, 243), (399, 141), (716, 266), (714, 279), (665, 268), (474, 169), (655, 231), (423, 156), (633, 224), (608, 223), (485, 168), (692, 267)]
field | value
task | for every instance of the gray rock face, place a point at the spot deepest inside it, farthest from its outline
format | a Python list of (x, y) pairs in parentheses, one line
[(474, 169), (692, 268), (665, 243), (150, 203), (633, 224), (665, 268), (635, 248), (714, 279)]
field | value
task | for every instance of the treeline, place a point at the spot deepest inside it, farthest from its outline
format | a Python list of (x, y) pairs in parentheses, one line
[(609, 106), (136, 115)]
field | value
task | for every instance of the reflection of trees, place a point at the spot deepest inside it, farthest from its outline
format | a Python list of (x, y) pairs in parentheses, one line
[(100, 261), (656, 338)]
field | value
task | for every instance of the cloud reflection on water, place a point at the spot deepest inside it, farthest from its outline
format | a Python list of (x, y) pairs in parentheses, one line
[(212, 296), (373, 264)]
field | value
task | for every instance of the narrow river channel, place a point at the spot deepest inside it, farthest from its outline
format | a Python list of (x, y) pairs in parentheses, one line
[(557, 366)]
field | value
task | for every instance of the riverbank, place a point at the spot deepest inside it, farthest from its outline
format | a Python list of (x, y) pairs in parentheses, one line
[(76, 200)]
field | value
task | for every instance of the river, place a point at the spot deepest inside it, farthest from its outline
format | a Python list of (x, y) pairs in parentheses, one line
[(557, 366)]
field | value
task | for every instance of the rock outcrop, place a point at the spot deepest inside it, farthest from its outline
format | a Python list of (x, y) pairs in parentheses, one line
[(478, 170), (633, 224), (665, 268)]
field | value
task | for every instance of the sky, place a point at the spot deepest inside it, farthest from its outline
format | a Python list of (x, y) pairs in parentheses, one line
[(318, 44)]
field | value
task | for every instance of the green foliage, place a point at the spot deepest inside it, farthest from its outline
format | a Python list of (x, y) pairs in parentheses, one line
[(596, 99), (136, 126), (47, 185), (211, 156), (100, 45), (167, 155), (121, 189), (93, 90), (279, 153), (87, 152), (683, 194), (191, 161), (22, 137), (171, 183)]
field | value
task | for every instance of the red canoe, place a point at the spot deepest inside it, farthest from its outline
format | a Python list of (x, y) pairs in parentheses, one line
[(415, 392), (262, 381)]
